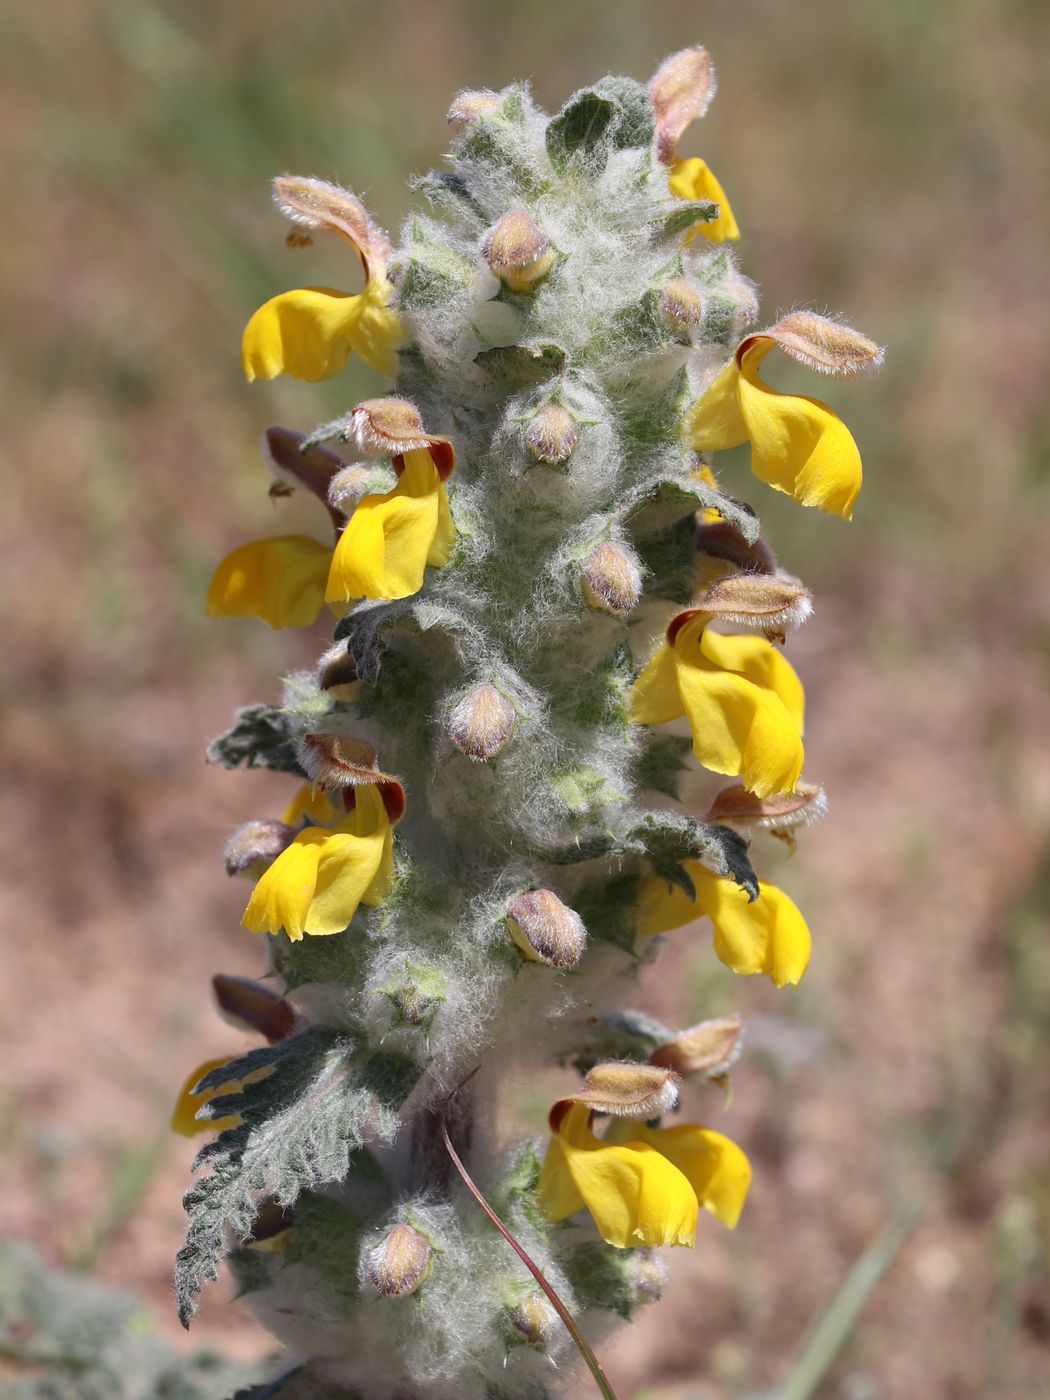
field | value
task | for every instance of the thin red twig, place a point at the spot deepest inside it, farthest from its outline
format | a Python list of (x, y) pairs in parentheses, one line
[(583, 1346)]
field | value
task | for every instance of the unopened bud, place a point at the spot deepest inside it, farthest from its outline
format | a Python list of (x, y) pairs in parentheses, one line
[(681, 90), (470, 107), (416, 993), (649, 1277), (254, 847), (337, 674), (358, 479), (546, 930), (784, 811), (709, 1048), (681, 304), (398, 1265), (825, 345), (552, 434), (252, 1006), (611, 580), (769, 603), (518, 251), (720, 540), (628, 1090), (481, 724), (533, 1320)]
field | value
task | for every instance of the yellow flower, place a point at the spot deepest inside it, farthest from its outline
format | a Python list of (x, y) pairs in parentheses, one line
[(315, 885), (184, 1118), (692, 179), (391, 538), (311, 332), (767, 934), (313, 803), (798, 445), (744, 702), (281, 579), (643, 1186)]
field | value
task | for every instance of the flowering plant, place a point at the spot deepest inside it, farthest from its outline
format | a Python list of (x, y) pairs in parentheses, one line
[(535, 571)]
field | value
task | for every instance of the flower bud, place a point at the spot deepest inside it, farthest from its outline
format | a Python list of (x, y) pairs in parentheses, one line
[(352, 482), (611, 580), (400, 1263), (681, 304), (532, 1320), (552, 434), (628, 1090), (481, 724), (255, 846), (416, 993), (470, 107), (518, 251), (720, 540), (649, 1276), (546, 930), (825, 345), (681, 89), (337, 674), (709, 1048), (769, 603), (252, 1006)]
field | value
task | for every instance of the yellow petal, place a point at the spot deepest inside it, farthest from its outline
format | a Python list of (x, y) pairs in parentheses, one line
[(309, 333), (767, 935), (655, 698), (387, 543), (716, 422), (315, 885), (184, 1118), (692, 179), (762, 663), (313, 803), (558, 1192), (716, 1169), (282, 580), (739, 728), (636, 1196), (799, 445), (661, 907)]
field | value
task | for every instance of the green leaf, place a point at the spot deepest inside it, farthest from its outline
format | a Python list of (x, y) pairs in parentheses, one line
[(671, 838), (261, 738), (686, 214), (449, 193), (301, 1123), (661, 761), (636, 123), (607, 906), (583, 132), (615, 115), (363, 631), (521, 365)]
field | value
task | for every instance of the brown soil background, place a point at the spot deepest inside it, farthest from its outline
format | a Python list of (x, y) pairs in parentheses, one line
[(883, 159)]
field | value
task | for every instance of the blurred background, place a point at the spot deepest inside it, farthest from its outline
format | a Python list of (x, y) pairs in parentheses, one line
[(885, 159)]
